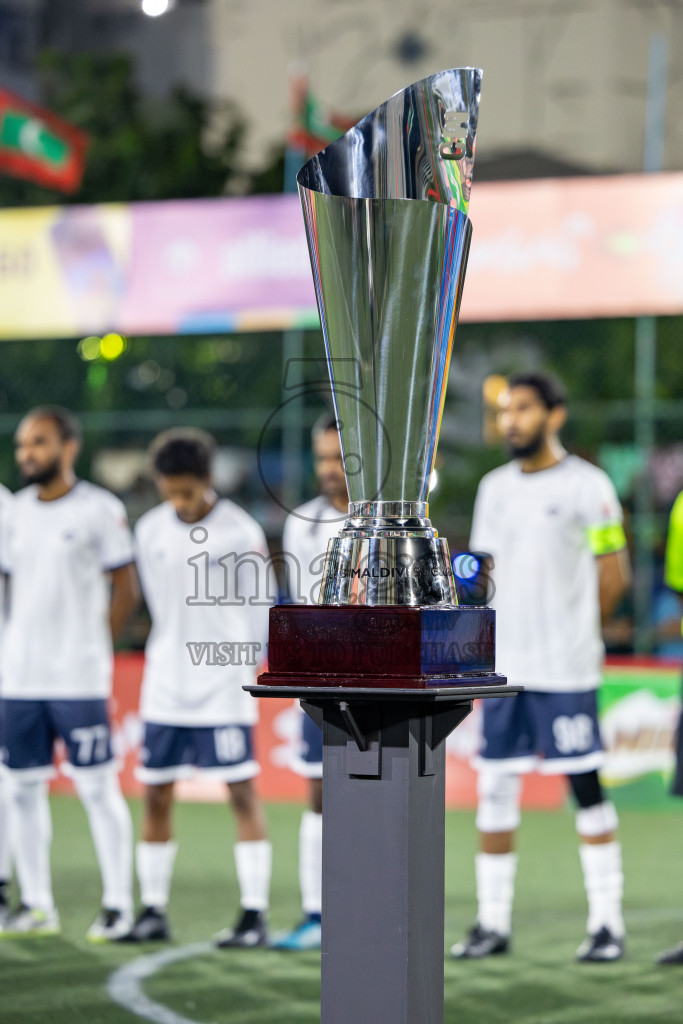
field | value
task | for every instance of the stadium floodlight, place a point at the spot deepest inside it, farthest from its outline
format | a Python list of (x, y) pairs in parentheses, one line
[(154, 8)]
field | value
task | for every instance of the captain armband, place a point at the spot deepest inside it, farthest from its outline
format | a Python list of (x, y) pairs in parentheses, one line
[(606, 538)]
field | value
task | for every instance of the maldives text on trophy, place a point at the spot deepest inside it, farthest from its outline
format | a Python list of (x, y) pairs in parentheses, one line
[(385, 208)]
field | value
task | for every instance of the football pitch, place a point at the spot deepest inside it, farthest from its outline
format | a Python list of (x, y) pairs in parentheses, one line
[(66, 980)]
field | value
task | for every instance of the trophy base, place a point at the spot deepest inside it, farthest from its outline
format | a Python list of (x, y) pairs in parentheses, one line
[(369, 682), (394, 567), (386, 647)]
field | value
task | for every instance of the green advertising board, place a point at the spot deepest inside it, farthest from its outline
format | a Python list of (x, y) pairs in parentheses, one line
[(639, 708)]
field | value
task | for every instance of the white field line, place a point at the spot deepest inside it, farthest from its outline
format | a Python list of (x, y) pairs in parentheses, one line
[(124, 986)]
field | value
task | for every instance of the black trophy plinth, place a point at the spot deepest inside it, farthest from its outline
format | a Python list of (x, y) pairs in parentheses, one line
[(383, 820)]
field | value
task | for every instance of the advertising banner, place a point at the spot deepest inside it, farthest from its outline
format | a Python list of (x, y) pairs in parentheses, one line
[(639, 707), (541, 250), (640, 703)]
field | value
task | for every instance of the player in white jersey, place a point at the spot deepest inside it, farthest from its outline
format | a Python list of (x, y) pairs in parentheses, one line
[(5, 857), (68, 552), (552, 526), (204, 568), (308, 529)]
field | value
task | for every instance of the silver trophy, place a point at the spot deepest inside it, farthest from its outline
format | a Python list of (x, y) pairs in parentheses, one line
[(385, 208)]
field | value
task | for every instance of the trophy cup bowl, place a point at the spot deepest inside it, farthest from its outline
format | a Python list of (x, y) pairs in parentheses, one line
[(385, 210)]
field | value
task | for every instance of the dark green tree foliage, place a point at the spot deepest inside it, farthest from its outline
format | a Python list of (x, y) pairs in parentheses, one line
[(178, 147), (156, 383)]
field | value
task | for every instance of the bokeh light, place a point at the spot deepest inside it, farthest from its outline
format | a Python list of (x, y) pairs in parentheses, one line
[(153, 8), (89, 348), (112, 346)]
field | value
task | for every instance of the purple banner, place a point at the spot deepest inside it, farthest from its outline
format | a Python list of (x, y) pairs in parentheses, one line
[(217, 265)]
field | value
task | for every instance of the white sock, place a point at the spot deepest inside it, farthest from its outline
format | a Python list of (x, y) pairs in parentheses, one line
[(311, 862), (253, 860), (31, 829), (112, 833), (604, 881), (495, 890), (154, 863), (5, 855)]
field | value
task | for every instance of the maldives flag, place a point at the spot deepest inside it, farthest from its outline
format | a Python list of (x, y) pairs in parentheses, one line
[(39, 146), (312, 126)]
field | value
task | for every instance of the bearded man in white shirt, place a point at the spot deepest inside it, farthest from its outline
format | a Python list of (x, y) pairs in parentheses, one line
[(205, 573), (552, 526), (68, 552)]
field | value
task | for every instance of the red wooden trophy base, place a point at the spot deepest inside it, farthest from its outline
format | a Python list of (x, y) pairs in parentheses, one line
[(386, 647)]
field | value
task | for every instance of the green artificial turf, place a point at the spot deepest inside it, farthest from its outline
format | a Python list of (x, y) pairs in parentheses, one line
[(63, 980)]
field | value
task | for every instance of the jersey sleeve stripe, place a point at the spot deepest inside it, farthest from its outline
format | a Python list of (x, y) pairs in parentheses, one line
[(606, 538)]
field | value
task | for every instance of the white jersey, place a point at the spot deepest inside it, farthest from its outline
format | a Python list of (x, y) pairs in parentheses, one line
[(541, 530), (57, 642), (208, 587), (304, 541), (6, 498)]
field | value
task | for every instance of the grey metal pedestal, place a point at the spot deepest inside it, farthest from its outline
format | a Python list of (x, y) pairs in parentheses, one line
[(383, 846)]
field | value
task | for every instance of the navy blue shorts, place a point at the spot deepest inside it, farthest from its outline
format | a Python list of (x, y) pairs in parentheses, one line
[(172, 752), (3, 746), (309, 759), (32, 726), (553, 733)]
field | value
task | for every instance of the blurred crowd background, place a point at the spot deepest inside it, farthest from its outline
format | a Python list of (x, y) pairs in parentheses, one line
[(224, 99)]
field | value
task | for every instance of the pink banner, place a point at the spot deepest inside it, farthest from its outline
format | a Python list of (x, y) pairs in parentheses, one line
[(576, 248), (553, 249)]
